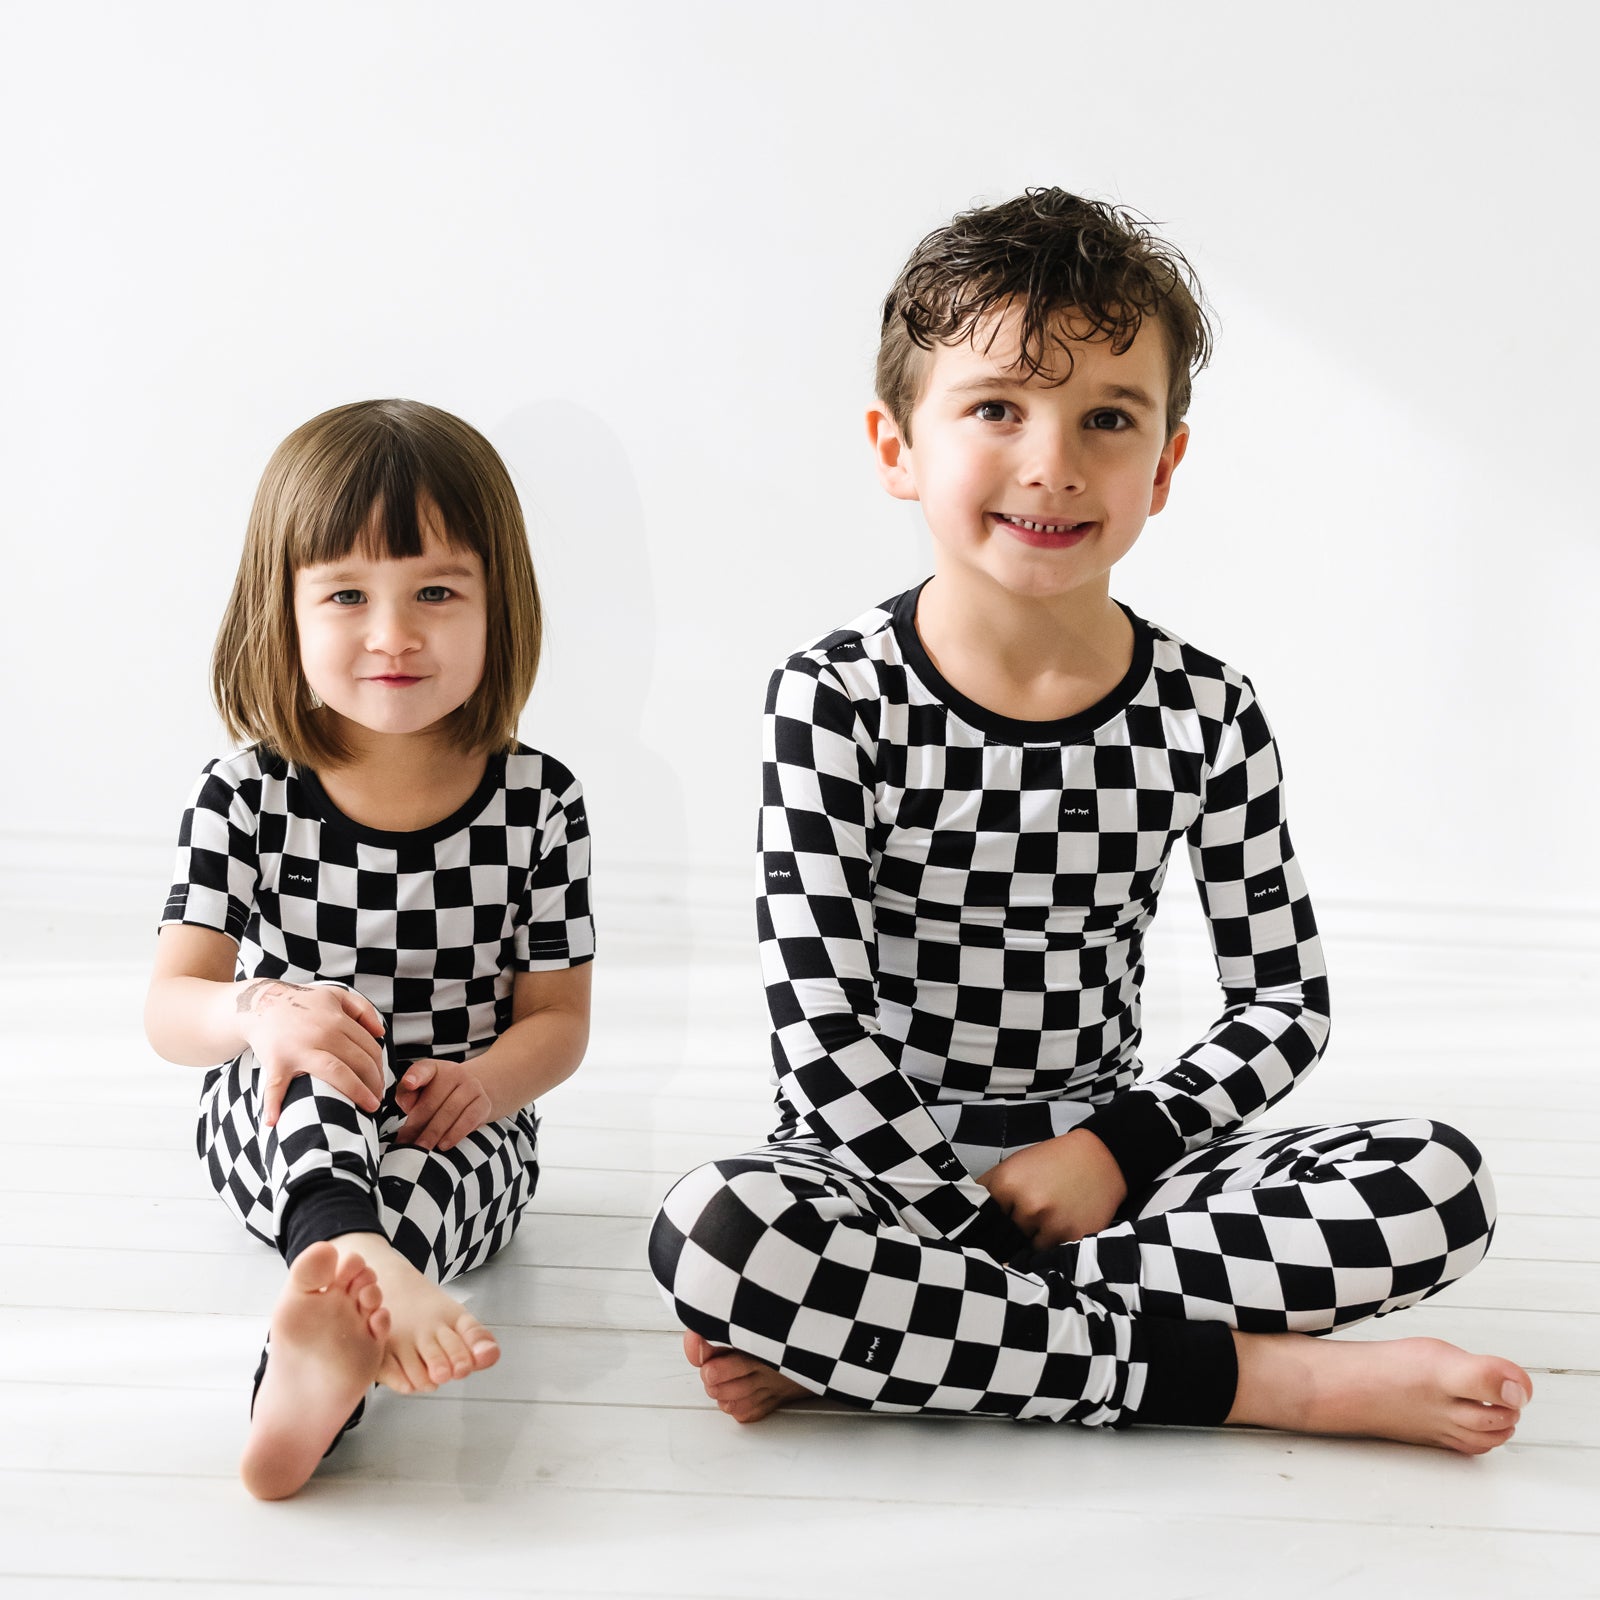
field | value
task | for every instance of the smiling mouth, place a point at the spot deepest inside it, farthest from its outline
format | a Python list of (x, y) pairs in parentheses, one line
[(1041, 527)]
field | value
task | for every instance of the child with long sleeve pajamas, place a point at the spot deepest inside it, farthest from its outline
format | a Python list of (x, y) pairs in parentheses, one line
[(976, 1199)]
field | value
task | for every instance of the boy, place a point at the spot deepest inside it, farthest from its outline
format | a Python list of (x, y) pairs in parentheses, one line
[(975, 1200)]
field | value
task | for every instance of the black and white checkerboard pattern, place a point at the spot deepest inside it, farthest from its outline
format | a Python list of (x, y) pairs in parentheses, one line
[(954, 905), (430, 926), (789, 1254), (445, 1211)]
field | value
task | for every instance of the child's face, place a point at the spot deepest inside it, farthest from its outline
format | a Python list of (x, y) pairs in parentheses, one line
[(1036, 488), (394, 645)]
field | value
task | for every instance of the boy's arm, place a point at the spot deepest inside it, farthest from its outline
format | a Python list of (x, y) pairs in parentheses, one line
[(818, 957), (1274, 1024)]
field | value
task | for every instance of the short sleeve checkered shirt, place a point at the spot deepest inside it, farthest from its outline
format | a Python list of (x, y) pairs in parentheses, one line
[(430, 926), (954, 904)]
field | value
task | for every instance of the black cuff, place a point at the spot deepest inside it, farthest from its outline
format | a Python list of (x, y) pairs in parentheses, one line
[(1137, 1132), (993, 1232), (1191, 1371), (323, 1207)]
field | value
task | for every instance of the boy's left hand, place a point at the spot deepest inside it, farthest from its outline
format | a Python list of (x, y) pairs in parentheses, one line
[(443, 1102), (1060, 1189)]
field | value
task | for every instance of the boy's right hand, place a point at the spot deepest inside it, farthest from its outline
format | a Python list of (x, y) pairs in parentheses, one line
[(330, 1033)]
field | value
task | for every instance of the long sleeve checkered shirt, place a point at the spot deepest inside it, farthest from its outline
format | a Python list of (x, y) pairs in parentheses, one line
[(954, 904)]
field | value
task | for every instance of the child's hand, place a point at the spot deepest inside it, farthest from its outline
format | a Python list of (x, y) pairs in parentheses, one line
[(443, 1102), (1061, 1189), (331, 1033)]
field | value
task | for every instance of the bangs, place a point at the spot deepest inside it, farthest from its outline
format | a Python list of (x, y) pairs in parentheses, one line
[(366, 498)]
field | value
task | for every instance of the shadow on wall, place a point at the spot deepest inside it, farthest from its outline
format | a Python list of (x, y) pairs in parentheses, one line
[(586, 529)]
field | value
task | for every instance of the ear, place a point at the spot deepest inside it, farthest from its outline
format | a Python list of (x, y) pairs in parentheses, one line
[(892, 451), (1167, 465)]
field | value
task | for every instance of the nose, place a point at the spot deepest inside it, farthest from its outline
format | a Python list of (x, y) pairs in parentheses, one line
[(1052, 460), (392, 630)]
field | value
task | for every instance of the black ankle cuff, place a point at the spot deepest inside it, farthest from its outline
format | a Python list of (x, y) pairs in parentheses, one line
[(323, 1207), (1191, 1371)]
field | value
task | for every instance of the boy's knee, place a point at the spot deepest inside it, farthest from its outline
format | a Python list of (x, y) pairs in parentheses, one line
[(709, 1226), (1464, 1192)]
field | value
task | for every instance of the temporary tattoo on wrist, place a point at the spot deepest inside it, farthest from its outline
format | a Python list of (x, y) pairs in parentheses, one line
[(247, 998)]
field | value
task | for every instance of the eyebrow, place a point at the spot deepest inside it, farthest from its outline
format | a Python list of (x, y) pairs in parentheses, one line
[(347, 575), (1000, 380)]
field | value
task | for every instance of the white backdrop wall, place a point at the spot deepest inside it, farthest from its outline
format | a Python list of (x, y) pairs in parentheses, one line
[(642, 248)]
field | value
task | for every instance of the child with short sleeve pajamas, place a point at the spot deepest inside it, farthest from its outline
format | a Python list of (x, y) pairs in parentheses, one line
[(976, 1198), (378, 936)]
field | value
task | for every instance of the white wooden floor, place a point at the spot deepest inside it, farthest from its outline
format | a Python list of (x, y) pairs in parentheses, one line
[(589, 1463)]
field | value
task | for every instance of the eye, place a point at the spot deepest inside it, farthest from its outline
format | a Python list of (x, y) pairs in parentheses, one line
[(347, 597), (1109, 420), (434, 593), (992, 411)]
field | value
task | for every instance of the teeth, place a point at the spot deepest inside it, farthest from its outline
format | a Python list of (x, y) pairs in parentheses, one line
[(1043, 527)]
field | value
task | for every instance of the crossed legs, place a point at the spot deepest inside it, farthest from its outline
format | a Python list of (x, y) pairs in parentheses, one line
[(795, 1276)]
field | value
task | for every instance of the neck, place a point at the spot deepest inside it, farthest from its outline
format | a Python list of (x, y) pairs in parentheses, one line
[(401, 782), (1023, 637)]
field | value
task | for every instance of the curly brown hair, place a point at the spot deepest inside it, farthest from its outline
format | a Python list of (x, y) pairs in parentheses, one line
[(1051, 253)]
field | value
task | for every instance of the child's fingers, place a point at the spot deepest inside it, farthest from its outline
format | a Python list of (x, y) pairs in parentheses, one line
[(273, 1084), (363, 1010), (337, 1075), (361, 1052), (472, 1116), (423, 1110), (419, 1074), (446, 1114)]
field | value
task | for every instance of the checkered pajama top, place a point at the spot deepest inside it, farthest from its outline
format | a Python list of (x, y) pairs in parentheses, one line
[(954, 905), (430, 926)]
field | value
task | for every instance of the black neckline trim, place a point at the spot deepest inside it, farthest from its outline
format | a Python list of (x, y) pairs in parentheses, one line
[(1013, 730), (494, 773)]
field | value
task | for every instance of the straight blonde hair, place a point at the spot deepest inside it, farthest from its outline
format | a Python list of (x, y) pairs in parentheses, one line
[(353, 477)]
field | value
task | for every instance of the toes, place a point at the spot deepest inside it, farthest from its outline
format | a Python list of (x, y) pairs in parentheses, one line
[(1477, 1418), (727, 1367), (1495, 1381), (368, 1299), (378, 1324), (697, 1350), (455, 1352), (415, 1369), (351, 1268), (753, 1409), (438, 1364), (738, 1388), (366, 1278), (1478, 1444), (482, 1345), (392, 1375), (314, 1268)]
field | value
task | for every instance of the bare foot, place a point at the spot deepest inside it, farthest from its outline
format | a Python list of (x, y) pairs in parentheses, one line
[(742, 1386), (1420, 1391), (328, 1335), (432, 1336)]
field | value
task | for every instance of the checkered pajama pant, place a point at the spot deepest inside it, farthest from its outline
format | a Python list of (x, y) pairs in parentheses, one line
[(328, 1168), (788, 1256)]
